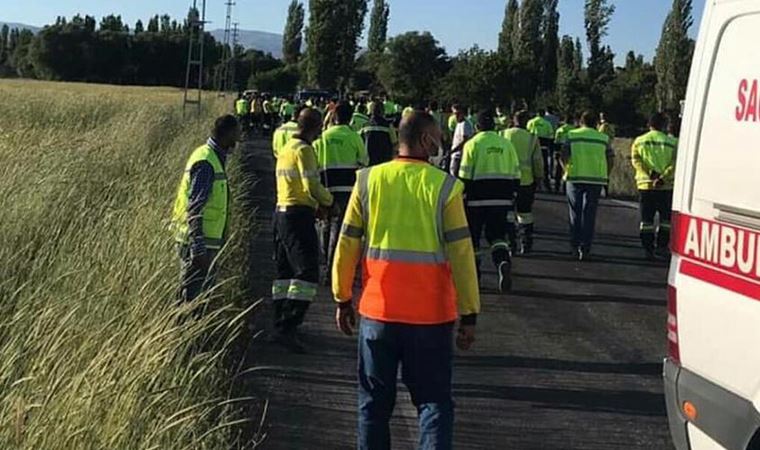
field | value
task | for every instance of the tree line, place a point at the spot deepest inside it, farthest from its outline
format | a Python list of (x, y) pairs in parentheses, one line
[(81, 49), (532, 67)]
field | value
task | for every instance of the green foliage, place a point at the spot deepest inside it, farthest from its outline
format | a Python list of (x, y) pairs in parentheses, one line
[(509, 28), (477, 77), (282, 80), (378, 26), (569, 93), (411, 65), (293, 35), (673, 58), (550, 47), (332, 41), (528, 50), (601, 67), (630, 96)]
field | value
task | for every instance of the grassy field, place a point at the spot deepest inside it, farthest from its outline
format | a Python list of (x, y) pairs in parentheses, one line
[(94, 352)]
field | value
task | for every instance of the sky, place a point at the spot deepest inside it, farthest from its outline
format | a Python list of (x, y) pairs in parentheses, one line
[(457, 24)]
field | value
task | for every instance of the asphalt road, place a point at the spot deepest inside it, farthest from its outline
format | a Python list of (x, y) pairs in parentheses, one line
[(570, 359)]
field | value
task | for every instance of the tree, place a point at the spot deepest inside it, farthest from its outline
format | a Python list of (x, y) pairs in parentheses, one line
[(153, 25), (282, 79), (4, 43), (411, 66), (578, 56), (569, 83), (550, 47), (629, 98), (111, 23), (597, 18), (293, 35), (528, 50), (478, 77), (673, 58), (509, 29), (139, 28), (378, 26), (330, 49)]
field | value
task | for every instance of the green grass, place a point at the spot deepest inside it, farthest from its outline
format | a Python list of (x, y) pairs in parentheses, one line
[(94, 351), (622, 181)]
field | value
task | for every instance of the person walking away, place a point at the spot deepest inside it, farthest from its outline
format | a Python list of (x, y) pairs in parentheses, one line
[(606, 127), (531, 171), (560, 139), (359, 120), (434, 111), (490, 170), (242, 110), (340, 153), (589, 159), (380, 138), (285, 132), (653, 156), (201, 210), (257, 113), (551, 117), (502, 120), (287, 109), (406, 226), (542, 128), (268, 114), (299, 196), (462, 133)]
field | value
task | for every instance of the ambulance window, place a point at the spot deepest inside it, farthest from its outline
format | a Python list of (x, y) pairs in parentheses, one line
[(728, 158)]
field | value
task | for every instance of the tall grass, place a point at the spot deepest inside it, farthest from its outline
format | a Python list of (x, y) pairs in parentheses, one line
[(622, 180), (94, 351)]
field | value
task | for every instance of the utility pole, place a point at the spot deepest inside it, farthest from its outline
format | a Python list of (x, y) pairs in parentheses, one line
[(222, 74), (233, 60), (194, 73)]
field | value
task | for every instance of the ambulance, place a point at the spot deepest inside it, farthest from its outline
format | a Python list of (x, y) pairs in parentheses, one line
[(712, 373)]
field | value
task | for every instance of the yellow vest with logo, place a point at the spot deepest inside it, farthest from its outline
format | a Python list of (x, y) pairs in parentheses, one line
[(588, 156)]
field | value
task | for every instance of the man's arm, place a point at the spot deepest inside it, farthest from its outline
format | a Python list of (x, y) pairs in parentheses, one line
[(201, 179), (307, 167), (362, 156), (610, 159), (461, 256), (349, 250)]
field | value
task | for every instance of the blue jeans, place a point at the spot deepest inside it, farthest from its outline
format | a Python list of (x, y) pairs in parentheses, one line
[(583, 201), (425, 353)]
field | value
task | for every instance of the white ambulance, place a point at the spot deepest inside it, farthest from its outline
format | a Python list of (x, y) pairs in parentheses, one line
[(712, 374)]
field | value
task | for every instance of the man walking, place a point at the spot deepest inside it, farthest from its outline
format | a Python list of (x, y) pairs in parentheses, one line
[(299, 195), (463, 131), (543, 129), (589, 159), (379, 136), (340, 153), (531, 171), (653, 156), (284, 132), (406, 220), (201, 209), (491, 173)]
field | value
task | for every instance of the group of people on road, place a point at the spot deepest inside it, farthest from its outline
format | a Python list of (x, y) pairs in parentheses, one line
[(408, 195)]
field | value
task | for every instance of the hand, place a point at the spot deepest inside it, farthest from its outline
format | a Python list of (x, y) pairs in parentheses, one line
[(322, 213), (345, 319), (658, 182), (465, 337)]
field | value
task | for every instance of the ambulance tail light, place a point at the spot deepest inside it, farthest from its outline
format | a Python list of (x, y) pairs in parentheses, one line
[(674, 352)]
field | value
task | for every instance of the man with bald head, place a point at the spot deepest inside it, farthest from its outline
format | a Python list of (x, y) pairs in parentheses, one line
[(406, 224), (299, 195)]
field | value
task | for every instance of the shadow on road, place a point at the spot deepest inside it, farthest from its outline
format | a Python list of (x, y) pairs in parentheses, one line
[(583, 298), (521, 362), (607, 281)]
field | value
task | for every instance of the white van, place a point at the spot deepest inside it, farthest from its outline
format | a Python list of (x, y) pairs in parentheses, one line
[(712, 374)]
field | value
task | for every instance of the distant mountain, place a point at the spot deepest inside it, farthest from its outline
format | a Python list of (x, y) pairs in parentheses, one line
[(20, 26), (258, 40)]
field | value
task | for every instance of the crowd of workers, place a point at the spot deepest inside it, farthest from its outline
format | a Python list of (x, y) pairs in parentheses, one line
[(409, 195)]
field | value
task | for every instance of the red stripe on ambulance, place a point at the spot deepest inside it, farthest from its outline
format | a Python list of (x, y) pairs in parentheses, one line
[(719, 254)]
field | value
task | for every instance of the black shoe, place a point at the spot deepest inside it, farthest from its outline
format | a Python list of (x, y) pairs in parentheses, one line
[(584, 255), (505, 278)]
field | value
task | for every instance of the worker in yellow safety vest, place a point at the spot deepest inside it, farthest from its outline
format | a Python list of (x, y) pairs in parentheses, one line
[(286, 131), (543, 129), (200, 217), (340, 153), (589, 159), (568, 124), (531, 171), (299, 196), (407, 228), (490, 170), (653, 156)]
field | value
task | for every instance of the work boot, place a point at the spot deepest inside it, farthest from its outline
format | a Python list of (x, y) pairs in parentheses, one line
[(584, 254), (505, 277)]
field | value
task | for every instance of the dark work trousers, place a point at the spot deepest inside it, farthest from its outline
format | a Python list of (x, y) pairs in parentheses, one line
[(548, 155), (329, 231), (493, 221), (526, 195), (651, 203), (297, 263), (583, 201), (425, 353), (193, 281)]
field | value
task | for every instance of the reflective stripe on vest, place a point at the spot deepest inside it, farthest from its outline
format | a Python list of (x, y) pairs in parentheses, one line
[(588, 157), (408, 275), (215, 211)]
